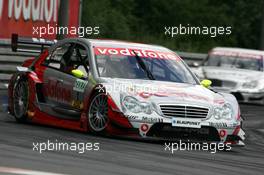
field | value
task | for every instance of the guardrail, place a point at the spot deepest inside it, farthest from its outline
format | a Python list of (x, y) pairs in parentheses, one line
[(8, 62)]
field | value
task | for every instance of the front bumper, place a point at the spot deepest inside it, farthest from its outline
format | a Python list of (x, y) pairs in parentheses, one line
[(220, 132)]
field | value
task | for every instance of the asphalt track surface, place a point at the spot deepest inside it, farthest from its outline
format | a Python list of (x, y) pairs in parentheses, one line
[(125, 156)]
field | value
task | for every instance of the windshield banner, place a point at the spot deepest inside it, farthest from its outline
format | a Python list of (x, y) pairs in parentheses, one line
[(138, 52)]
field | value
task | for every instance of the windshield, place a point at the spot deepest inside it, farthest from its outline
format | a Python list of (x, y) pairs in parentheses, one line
[(235, 62), (125, 63)]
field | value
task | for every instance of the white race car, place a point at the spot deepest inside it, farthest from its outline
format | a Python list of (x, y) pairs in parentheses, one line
[(237, 71), (121, 88)]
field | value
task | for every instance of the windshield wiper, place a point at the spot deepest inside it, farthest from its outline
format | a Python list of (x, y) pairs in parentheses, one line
[(143, 66)]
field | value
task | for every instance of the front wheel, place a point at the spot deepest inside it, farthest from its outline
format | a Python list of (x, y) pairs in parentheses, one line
[(98, 113), (21, 100)]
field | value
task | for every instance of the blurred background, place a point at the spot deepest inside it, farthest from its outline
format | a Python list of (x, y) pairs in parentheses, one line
[(141, 20), (144, 21)]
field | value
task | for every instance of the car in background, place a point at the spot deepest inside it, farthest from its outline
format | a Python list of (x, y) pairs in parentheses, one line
[(237, 71), (120, 88), (193, 60)]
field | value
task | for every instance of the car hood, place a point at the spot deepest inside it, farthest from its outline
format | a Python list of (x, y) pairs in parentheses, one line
[(161, 92), (230, 74)]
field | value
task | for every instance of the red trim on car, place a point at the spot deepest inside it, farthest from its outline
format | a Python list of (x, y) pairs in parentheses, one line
[(116, 116)]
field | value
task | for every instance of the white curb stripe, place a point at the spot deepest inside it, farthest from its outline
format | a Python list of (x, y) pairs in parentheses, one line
[(25, 171)]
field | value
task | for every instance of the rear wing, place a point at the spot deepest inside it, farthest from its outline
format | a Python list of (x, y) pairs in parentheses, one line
[(30, 45)]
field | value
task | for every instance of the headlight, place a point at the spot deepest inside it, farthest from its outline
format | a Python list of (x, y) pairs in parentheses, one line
[(250, 85), (223, 112), (135, 106)]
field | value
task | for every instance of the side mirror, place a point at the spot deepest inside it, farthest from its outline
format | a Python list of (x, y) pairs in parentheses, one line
[(77, 73), (206, 83)]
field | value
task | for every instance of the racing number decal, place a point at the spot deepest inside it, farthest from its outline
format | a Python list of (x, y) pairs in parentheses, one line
[(79, 85)]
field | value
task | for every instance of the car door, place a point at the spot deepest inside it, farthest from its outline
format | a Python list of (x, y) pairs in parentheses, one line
[(78, 61), (57, 84)]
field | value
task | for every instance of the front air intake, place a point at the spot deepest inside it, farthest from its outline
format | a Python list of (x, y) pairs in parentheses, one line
[(184, 111)]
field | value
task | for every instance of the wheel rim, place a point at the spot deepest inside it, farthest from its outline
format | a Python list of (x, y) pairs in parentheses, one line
[(20, 99), (98, 113)]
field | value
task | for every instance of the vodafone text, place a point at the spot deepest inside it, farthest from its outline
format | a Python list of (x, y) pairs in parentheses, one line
[(44, 10), (133, 52)]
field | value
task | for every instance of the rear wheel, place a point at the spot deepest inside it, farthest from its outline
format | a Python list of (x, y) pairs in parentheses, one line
[(98, 113), (21, 99)]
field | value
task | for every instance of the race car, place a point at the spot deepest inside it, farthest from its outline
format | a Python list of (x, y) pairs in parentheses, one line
[(237, 71), (119, 88)]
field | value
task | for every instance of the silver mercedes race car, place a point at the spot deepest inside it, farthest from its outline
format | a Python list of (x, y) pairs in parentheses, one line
[(121, 88), (236, 71)]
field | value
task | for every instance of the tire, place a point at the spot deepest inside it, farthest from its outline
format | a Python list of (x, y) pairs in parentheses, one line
[(98, 113), (21, 100)]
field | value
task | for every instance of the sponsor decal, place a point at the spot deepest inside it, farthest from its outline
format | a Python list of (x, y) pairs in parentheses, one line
[(32, 9), (131, 52), (77, 104), (24, 16), (185, 122), (147, 94), (177, 94), (222, 133), (57, 91), (145, 119), (219, 101), (218, 124), (132, 117), (152, 120), (80, 85), (144, 127)]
